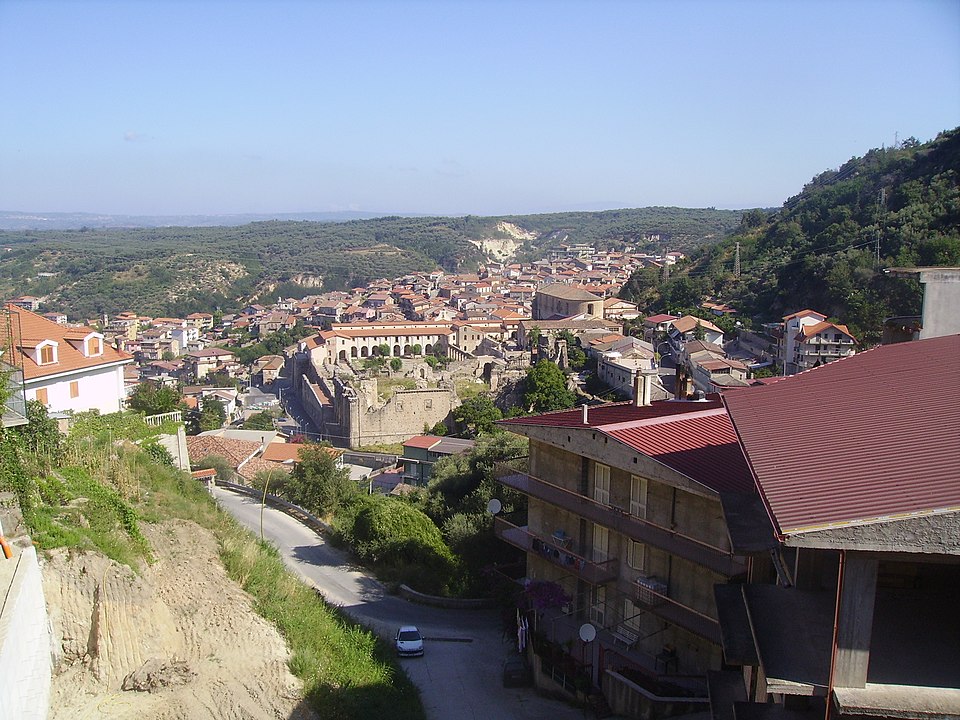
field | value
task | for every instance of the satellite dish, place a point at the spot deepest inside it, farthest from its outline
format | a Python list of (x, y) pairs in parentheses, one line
[(588, 633), (494, 506)]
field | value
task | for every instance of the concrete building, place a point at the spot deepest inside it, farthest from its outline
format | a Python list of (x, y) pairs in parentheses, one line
[(557, 300), (853, 528), (624, 515), (941, 303)]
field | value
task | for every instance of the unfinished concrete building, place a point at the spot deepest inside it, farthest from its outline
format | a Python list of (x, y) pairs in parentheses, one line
[(851, 609)]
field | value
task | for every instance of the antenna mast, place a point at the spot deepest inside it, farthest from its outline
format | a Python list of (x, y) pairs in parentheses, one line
[(736, 261)]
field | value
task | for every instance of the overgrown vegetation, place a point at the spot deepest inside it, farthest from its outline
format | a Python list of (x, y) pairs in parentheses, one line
[(820, 250), (94, 489)]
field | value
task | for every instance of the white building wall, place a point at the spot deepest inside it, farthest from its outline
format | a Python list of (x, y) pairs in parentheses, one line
[(25, 650), (99, 389)]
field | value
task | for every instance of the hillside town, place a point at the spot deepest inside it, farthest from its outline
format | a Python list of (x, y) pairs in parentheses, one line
[(375, 366), (677, 538)]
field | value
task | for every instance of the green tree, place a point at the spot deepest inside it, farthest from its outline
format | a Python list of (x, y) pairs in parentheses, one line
[(699, 333), (259, 421), (317, 483), (545, 388), (477, 416), (417, 348), (213, 414), (395, 364), (151, 398)]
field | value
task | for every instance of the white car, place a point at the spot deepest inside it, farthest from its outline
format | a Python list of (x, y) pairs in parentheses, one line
[(409, 641)]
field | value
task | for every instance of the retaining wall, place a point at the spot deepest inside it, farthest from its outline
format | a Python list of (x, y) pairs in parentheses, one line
[(25, 650)]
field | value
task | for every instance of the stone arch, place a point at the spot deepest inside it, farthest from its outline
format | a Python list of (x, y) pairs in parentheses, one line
[(396, 351), (428, 349), (364, 351), (353, 351), (406, 349), (343, 355)]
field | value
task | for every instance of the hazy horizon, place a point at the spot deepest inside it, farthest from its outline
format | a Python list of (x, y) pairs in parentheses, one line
[(459, 108)]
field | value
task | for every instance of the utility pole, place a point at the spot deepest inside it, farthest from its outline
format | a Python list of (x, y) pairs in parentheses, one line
[(881, 202), (736, 262)]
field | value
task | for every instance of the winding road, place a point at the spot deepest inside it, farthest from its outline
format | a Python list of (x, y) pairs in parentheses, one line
[(459, 673)]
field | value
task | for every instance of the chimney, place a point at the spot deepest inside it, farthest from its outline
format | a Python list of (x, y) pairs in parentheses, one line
[(585, 421), (639, 389)]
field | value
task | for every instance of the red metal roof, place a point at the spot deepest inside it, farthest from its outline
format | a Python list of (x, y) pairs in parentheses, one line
[(702, 446), (693, 438), (599, 415), (872, 436)]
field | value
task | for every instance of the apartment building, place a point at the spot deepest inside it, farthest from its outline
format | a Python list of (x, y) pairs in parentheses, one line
[(809, 340), (624, 514), (854, 535)]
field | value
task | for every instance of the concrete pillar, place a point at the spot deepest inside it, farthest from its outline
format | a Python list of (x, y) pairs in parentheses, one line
[(855, 620)]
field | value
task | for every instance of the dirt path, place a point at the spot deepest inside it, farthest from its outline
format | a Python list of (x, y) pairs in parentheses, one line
[(181, 636)]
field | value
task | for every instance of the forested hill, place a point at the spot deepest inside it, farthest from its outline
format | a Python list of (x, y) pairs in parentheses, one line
[(820, 249), (178, 270)]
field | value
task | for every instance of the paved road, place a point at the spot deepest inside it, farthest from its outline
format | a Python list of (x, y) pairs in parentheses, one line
[(459, 674)]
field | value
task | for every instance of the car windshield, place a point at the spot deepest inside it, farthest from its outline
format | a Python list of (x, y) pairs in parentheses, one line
[(409, 635)]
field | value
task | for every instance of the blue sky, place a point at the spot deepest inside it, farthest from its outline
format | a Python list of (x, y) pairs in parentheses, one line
[(455, 107)]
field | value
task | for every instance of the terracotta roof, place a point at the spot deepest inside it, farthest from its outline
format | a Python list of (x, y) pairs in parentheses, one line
[(234, 451), (882, 425), (424, 442), (801, 313), (278, 452), (689, 322), (31, 329), (811, 330), (566, 292)]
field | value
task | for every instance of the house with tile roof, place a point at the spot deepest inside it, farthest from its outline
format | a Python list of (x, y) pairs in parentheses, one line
[(623, 513), (65, 368), (558, 300), (852, 524)]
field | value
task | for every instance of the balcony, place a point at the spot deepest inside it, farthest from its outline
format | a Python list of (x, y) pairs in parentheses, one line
[(652, 595), (546, 547), (714, 558)]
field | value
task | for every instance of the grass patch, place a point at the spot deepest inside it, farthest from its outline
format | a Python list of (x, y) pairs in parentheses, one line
[(347, 671), (104, 490), (387, 386), (468, 389)]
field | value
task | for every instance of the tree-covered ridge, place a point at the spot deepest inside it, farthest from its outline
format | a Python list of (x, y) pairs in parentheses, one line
[(178, 270), (820, 250)]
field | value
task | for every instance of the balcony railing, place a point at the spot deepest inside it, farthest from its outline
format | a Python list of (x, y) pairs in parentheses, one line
[(719, 560), (654, 597), (545, 547)]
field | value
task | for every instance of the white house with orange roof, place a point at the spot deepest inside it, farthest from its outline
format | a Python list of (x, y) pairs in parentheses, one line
[(66, 368), (808, 340)]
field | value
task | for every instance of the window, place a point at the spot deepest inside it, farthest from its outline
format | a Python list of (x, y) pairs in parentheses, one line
[(601, 483), (42, 396), (631, 618), (638, 496), (636, 555), (74, 389), (601, 543), (94, 347), (46, 355), (598, 605)]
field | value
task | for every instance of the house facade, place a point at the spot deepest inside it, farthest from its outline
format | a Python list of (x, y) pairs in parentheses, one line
[(66, 368), (624, 516)]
